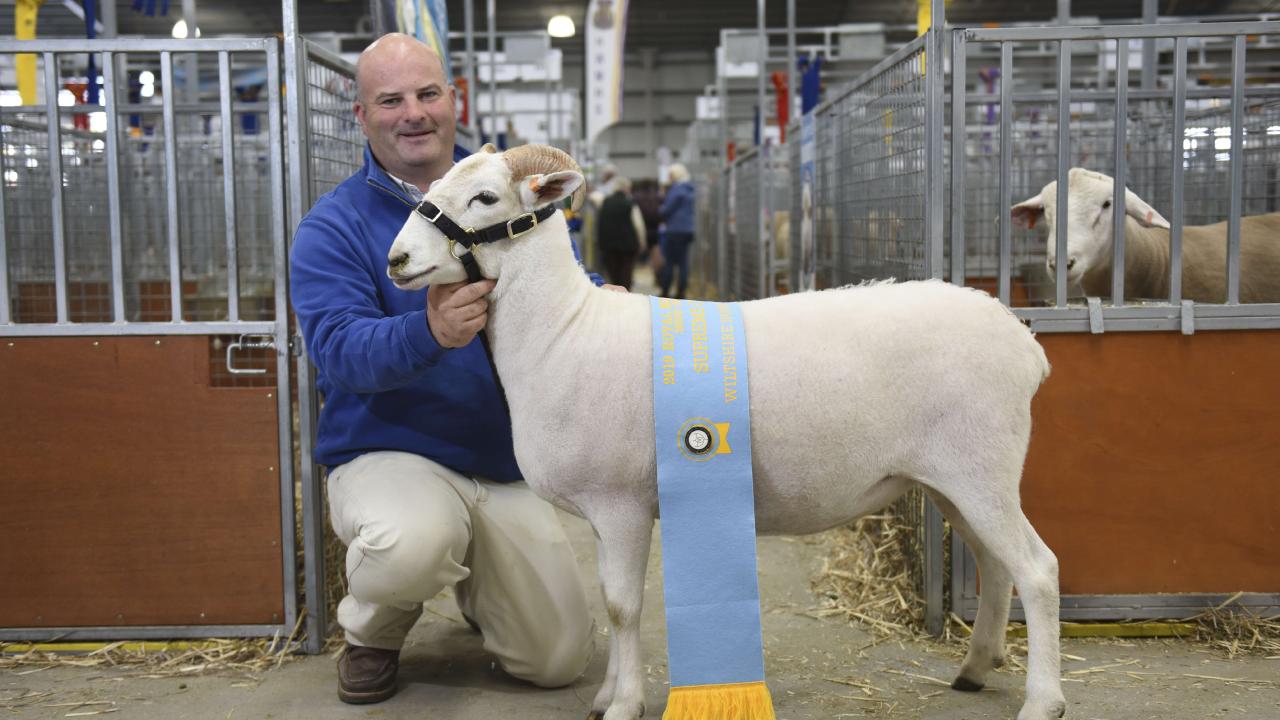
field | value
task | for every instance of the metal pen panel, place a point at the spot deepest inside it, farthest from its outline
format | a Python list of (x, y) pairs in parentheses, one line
[(959, 49), (1237, 171), (113, 186), (1005, 263), (1121, 174), (229, 184), (171, 186), (1178, 165), (1064, 162), (53, 118)]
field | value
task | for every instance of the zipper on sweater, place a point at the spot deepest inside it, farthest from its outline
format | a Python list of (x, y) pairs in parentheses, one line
[(399, 196)]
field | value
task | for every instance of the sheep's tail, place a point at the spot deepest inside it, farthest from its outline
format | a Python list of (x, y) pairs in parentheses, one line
[(526, 160)]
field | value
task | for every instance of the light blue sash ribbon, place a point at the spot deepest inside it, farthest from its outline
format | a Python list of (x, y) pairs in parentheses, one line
[(702, 421)]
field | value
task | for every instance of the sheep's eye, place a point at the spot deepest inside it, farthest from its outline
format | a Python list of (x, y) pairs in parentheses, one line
[(485, 197), (1106, 204)]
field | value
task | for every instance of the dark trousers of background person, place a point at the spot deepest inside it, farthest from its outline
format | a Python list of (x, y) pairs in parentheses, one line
[(675, 256), (619, 266)]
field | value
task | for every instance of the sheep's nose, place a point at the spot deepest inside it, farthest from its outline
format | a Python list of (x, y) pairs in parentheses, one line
[(1052, 263), (397, 261), (1071, 263)]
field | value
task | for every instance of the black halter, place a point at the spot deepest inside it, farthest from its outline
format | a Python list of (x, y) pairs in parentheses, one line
[(468, 238)]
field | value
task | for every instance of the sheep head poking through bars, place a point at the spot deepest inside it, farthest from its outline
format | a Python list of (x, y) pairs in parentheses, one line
[(489, 191)]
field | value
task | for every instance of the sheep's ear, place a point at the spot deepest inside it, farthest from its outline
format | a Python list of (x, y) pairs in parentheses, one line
[(539, 190), (488, 148), (1028, 212), (1139, 210)]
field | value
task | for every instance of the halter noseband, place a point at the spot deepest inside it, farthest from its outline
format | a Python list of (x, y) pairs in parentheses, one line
[(468, 238)]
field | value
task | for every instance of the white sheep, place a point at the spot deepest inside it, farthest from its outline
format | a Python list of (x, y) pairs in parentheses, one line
[(857, 395), (1146, 254)]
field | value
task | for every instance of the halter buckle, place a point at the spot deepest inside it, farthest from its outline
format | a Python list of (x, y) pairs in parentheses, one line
[(453, 244), (432, 220), (513, 235)]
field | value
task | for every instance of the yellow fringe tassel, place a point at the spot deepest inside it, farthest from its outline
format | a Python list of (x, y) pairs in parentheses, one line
[(739, 701)]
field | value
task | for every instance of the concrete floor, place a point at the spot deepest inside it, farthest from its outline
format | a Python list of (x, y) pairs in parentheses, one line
[(815, 668)]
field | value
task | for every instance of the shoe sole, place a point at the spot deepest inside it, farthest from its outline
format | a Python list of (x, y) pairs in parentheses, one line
[(365, 698)]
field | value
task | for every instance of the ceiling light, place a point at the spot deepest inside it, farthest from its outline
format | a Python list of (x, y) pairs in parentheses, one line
[(561, 26), (180, 30)]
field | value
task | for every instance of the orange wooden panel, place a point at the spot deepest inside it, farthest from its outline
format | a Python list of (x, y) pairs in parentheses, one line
[(132, 492), (1155, 461)]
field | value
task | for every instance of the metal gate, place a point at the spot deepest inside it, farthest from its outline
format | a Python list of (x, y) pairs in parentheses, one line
[(148, 481)]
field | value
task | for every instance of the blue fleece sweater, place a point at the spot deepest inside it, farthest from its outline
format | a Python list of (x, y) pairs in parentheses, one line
[(677, 208), (387, 383)]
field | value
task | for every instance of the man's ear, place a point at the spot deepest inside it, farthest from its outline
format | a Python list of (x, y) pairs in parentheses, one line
[(1028, 212), (539, 190)]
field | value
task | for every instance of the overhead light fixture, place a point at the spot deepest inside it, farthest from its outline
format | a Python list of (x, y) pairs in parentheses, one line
[(561, 26), (180, 30)]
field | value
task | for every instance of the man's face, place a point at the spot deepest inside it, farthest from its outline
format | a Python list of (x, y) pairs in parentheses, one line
[(407, 112)]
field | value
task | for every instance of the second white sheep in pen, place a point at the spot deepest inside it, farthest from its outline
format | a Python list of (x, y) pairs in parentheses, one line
[(1147, 248), (857, 396)]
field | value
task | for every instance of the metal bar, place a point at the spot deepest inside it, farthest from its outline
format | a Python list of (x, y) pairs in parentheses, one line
[(115, 215), (792, 89), (5, 318), (134, 328), (161, 632), (762, 165), (1150, 13), (934, 185), (490, 6), (284, 409), (959, 76), (1064, 162), (8, 46), (1006, 165), (469, 28), (298, 55), (1237, 171), (1112, 32), (1178, 163), (1104, 95), (229, 185), (1121, 172), (171, 187), (55, 184)]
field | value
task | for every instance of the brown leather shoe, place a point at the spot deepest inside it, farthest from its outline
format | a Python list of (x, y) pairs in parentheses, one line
[(367, 675)]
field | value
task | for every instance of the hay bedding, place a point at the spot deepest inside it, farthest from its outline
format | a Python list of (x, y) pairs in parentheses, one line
[(866, 578)]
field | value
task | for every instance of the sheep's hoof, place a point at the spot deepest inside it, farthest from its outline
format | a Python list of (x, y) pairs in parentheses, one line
[(595, 715), (964, 684), (1053, 710)]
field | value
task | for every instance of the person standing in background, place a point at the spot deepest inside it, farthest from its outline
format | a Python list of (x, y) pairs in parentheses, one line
[(620, 233), (678, 213)]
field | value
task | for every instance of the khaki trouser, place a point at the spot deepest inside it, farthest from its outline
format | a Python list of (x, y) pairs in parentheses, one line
[(413, 527)]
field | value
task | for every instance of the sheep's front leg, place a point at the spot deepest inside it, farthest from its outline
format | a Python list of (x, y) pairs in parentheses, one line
[(623, 556)]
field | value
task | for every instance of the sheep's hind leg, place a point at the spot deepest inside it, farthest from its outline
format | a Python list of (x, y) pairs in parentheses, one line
[(999, 525), (624, 556), (986, 647)]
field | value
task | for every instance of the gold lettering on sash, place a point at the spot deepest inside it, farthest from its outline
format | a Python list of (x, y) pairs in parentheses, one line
[(728, 354)]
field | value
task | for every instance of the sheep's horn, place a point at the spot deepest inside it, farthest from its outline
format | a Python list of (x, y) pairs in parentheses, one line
[(526, 160)]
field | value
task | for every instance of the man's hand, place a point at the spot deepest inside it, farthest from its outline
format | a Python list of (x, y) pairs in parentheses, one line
[(457, 311)]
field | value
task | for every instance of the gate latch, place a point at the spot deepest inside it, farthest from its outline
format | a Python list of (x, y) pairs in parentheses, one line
[(249, 342)]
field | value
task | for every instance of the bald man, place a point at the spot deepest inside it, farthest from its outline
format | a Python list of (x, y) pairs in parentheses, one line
[(422, 479)]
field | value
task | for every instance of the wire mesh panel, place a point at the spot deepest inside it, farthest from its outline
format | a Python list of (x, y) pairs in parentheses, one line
[(882, 183), (744, 268), (335, 143)]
